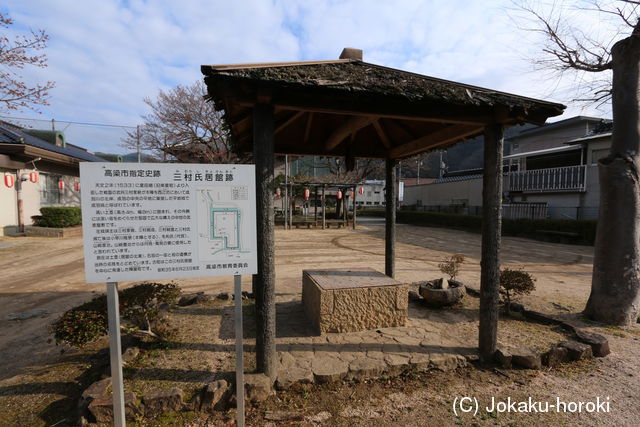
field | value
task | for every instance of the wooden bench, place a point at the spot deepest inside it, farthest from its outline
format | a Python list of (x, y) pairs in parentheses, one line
[(337, 222), (298, 224), (559, 233), (350, 300)]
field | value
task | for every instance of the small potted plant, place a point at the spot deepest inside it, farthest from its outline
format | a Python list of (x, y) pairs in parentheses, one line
[(514, 283), (434, 292)]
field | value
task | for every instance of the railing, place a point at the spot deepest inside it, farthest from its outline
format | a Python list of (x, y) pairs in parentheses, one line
[(568, 178), (525, 210)]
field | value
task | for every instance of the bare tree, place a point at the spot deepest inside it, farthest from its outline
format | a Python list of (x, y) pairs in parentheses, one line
[(183, 126), (15, 55), (361, 169), (615, 287)]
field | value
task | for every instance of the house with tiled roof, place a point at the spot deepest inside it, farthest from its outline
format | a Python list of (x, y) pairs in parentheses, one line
[(38, 168)]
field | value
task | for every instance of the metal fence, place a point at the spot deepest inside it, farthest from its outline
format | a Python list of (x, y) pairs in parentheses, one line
[(568, 178), (525, 210)]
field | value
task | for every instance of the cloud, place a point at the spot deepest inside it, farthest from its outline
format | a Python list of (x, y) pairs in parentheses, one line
[(106, 56)]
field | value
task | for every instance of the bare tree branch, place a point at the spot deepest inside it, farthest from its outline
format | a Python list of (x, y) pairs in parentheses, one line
[(16, 54), (568, 49), (183, 126)]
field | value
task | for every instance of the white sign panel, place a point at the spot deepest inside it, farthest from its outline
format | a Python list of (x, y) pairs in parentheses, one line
[(144, 221)]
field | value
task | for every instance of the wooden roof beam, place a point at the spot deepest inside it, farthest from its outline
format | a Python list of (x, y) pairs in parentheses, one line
[(307, 129), (349, 127), (457, 115), (287, 122), (440, 137), (382, 134)]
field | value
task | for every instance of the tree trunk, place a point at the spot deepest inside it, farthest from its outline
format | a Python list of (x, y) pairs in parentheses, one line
[(490, 256), (264, 283), (615, 286)]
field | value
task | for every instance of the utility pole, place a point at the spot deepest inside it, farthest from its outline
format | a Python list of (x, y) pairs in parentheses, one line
[(53, 124), (20, 201), (138, 141)]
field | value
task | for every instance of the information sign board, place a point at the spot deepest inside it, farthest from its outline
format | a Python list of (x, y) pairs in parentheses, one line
[(149, 221)]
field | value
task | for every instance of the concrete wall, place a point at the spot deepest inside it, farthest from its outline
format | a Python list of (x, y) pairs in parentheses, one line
[(561, 205), (597, 150), (8, 204), (547, 139), (373, 194), (445, 194)]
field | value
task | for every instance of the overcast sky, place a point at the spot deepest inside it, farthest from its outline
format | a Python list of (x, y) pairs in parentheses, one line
[(106, 56)]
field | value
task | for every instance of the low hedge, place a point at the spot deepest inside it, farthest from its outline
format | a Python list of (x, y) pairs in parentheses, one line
[(58, 216), (578, 231)]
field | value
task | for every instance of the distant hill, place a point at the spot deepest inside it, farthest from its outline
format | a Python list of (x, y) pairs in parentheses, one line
[(127, 158), (462, 156)]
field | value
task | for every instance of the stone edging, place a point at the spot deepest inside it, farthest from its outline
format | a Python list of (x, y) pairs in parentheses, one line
[(33, 230)]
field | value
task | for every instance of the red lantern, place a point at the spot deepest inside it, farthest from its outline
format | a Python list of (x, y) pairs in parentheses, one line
[(351, 194), (339, 194), (77, 186), (33, 176), (60, 185), (9, 180), (278, 192), (361, 190), (306, 194)]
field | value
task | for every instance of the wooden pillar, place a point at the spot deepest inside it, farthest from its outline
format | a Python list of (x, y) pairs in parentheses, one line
[(345, 209), (20, 201), (491, 228), (292, 203), (354, 207), (324, 208), (315, 206), (390, 196), (265, 281)]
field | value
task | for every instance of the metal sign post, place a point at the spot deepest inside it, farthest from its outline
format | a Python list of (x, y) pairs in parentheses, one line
[(115, 354), (237, 279), (201, 219)]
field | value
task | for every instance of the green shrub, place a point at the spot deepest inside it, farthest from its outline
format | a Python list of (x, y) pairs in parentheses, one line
[(139, 304), (58, 216), (515, 282), (79, 327), (451, 265), (580, 231)]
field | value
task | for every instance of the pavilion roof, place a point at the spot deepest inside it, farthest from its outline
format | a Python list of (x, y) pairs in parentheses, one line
[(351, 108)]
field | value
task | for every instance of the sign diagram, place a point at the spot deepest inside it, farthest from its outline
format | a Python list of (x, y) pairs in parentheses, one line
[(221, 212)]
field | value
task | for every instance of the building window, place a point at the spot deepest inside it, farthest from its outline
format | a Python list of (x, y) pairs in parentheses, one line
[(49, 192)]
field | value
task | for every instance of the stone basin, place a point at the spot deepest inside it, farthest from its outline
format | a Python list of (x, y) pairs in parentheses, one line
[(434, 293)]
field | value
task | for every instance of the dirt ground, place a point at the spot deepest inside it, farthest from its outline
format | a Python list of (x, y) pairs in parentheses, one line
[(47, 274)]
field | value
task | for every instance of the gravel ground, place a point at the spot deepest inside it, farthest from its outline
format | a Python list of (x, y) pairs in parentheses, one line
[(47, 274)]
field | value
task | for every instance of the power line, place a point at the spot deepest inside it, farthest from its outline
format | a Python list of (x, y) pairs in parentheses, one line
[(72, 122)]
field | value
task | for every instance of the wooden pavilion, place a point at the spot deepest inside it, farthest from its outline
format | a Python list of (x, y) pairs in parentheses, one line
[(350, 108)]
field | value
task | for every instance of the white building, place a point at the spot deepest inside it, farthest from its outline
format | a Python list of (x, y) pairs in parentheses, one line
[(23, 151), (551, 172)]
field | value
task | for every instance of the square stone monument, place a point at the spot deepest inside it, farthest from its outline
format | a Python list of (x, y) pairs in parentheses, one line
[(350, 300)]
